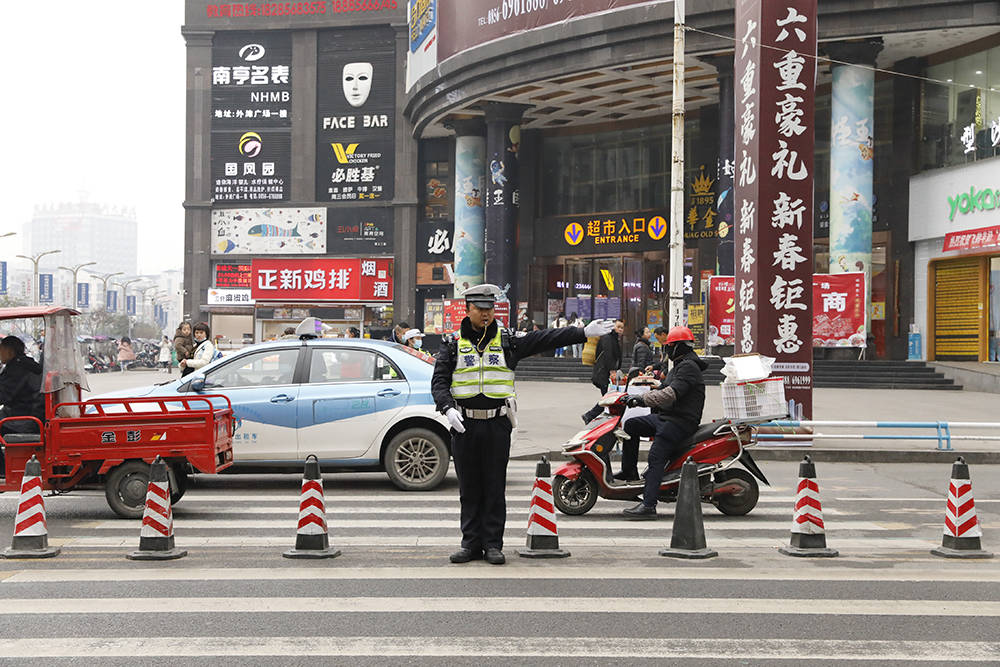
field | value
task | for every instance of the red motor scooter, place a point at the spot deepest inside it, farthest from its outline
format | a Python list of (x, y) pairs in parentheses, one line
[(716, 447)]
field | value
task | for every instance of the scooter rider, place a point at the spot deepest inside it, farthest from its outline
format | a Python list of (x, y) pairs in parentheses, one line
[(677, 409), (473, 386)]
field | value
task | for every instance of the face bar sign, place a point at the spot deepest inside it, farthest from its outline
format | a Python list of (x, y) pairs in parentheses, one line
[(775, 71)]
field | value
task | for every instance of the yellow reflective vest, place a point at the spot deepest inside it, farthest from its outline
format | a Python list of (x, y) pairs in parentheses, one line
[(485, 373)]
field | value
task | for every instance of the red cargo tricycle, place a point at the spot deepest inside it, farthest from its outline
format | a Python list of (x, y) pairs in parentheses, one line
[(110, 442)]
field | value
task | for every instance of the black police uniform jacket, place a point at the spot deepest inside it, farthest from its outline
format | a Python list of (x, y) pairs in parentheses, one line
[(20, 388), (682, 398), (517, 346)]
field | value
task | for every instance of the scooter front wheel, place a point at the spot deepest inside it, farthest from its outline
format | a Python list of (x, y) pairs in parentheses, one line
[(575, 496)]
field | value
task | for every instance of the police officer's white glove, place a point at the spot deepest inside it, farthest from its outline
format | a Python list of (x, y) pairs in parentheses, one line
[(455, 419), (598, 328)]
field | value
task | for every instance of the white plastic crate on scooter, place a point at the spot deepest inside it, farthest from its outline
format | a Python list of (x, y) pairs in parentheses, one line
[(754, 399)]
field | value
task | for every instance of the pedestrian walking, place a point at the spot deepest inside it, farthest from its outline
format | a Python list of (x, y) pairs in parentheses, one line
[(642, 351), (559, 323), (576, 321), (126, 353), (473, 386), (184, 346), (607, 360), (164, 358)]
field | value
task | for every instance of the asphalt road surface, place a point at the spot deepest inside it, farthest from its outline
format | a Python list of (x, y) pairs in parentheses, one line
[(392, 597)]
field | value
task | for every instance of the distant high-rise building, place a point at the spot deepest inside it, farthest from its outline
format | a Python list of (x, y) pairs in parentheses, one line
[(84, 232)]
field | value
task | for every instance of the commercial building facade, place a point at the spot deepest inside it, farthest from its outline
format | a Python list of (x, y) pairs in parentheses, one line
[(529, 145)]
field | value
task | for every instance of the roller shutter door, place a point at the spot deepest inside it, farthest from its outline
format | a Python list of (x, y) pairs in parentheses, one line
[(958, 310)]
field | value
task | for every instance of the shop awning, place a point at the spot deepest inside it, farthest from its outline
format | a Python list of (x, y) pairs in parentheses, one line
[(973, 239)]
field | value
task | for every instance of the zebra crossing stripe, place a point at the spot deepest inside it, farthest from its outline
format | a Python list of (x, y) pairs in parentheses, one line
[(466, 605), (554, 647)]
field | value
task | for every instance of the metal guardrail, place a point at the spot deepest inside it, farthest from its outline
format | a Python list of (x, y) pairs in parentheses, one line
[(943, 430)]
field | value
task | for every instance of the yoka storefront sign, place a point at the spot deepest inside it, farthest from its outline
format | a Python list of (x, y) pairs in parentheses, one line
[(972, 201)]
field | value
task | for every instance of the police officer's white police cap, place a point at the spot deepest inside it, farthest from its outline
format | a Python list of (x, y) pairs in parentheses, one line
[(483, 296), (311, 327)]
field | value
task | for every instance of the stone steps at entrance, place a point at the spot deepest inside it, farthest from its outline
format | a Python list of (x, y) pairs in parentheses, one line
[(877, 374)]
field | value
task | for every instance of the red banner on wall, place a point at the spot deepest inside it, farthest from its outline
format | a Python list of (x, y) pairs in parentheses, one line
[(364, 280), (721, 310), (839, 310), (972, 239)]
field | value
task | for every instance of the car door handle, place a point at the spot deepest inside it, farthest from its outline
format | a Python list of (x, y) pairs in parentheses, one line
[(385, 393), (281, 398)]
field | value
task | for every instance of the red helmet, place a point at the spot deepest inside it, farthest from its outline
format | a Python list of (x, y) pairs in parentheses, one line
[(679, 334)]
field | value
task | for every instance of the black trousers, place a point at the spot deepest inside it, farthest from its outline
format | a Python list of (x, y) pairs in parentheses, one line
[(668, 443), (597, 409), (481, 455)]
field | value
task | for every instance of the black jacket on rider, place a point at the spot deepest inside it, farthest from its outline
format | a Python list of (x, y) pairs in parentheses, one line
[(518, 346), (20, 391), (682, 398)]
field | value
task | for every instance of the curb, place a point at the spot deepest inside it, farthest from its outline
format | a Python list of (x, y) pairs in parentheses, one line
[(829, 455)]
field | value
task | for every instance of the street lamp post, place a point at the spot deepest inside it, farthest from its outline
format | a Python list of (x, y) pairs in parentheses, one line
[(74, 270), (34, 279), (104, 284), (124, 287)]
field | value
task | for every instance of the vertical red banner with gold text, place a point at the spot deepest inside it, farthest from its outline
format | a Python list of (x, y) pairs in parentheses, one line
[(775, 64)]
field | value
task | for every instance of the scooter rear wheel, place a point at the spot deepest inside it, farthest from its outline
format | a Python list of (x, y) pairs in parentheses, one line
[(736, 504), (575, 496)]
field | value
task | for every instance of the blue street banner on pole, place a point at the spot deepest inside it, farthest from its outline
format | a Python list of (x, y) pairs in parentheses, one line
[(130, 305), (44, 288), (83, 295), (3, 278), (111, 301)]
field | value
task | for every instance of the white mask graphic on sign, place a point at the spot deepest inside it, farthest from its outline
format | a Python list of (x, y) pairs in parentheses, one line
[(357, 83)]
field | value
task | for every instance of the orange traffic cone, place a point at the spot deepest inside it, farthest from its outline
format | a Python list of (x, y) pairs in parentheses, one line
[(543, 535), (31, 532), (808, 531), (962, 532), (312, 539), (156, 537)]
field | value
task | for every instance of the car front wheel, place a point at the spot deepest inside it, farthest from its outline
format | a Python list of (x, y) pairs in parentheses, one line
[(416, 460)]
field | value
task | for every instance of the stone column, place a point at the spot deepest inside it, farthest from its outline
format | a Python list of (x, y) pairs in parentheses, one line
[(470, 191), (503, 140), (852, 151)]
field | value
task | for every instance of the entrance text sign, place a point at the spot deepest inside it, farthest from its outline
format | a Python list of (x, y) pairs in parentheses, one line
[(775, 98)]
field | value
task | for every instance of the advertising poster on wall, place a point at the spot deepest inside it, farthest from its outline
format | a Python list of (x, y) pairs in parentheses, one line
[(233, 275), (434, 241), (422, 56), (721, 310), (839, 302), (360, 230), (355, 115), (269, 231), (251, 80), (455, 312), (251, 166)]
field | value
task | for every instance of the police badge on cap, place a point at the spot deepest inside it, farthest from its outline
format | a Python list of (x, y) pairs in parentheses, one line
[(482, 296)]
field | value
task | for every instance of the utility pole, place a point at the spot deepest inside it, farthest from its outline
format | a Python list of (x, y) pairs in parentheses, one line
[(34, 279), (76, 293), (676, 311)]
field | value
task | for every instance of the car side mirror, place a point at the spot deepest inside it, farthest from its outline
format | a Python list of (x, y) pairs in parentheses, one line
[(198, 385)]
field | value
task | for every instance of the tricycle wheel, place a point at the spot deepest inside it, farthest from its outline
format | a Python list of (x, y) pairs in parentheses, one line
[(125, 488), (739, 502), (575, 496)]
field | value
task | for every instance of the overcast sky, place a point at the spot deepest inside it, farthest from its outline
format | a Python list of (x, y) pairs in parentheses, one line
[(93, 99)]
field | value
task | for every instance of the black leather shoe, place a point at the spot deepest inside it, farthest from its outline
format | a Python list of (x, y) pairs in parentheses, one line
[(495, 557), (630, 476), (464, 555), (640, 513)]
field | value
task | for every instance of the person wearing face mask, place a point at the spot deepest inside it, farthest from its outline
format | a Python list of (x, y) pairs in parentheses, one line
[(676, 413), (413, 338), (204, 350)]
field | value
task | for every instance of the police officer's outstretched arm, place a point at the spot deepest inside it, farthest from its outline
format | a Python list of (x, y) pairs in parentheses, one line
[(535, 342)]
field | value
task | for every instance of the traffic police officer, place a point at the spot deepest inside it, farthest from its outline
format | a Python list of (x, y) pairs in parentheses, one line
[(473, 386)]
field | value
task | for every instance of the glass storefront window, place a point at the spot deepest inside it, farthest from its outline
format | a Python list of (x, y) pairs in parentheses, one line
[(993, 350), (959, 111)]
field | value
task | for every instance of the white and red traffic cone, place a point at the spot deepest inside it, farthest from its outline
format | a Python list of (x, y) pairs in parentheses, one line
[(312, 538), (31, 532), (808, 530), (962, 532), (156, 537), (543, 534)]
